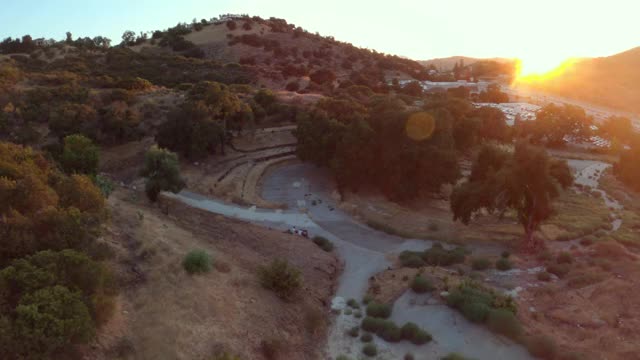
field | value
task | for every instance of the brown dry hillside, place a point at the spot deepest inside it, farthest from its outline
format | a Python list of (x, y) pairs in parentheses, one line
[(283, 54), (164, 313), (612, 81)]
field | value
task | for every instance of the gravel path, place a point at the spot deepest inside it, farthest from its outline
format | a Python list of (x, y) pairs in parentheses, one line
[(308, 191)]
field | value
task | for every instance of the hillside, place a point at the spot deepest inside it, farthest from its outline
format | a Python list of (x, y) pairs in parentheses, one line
[(283, 55), (612, 81)]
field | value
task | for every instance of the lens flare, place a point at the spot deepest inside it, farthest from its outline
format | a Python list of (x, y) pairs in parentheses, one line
[(540, 69), (420, 126)]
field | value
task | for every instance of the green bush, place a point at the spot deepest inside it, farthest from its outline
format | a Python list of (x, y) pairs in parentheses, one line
[(343, 357), (475, 311), (544, 276), (390, 332), (352, 303), (542, 346), (503, 322), (421, 285), (438, 256), (503, 264), (421, 337), (280, 277), (370, 350), (197, 261), (409, 356), (559, 270), (357, 314), (411, 259), (378, 310), (354, 331), (480, 263), (366, 338), (564, 258), (409, 330), (371, 324), (323, 243)]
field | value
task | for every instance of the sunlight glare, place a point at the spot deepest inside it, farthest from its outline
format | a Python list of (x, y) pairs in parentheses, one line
[(537, 68)]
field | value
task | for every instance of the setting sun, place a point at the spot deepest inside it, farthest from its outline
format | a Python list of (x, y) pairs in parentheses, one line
[(540, 68)]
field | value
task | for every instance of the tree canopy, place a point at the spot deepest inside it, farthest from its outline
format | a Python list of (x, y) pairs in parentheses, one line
[(162, 170), (526, 181)]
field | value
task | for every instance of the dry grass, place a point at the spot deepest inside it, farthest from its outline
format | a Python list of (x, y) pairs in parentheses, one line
[(168, 314)]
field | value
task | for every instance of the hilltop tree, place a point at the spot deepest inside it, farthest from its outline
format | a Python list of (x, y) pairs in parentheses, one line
[(128, 38), (162, 170), (526, 181)]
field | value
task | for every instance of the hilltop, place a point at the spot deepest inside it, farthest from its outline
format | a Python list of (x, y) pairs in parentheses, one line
[(281, 54)]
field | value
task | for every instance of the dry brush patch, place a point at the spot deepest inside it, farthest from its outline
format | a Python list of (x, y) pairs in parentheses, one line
[(168, 312)]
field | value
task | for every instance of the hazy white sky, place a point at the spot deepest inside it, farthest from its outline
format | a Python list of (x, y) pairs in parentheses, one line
[(420, 29)]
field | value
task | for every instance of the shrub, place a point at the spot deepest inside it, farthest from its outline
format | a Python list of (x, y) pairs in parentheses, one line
[(323, 243), (366, 338), (559, 270), (352, 303), (354, 331), (370, 350), (542, 347), (293, 86), (475, 311), (421, 337), (586, 241), (564, 258), (280, 277), (409, 356), (480, 263), (357, 314), (545, 255), (544, 276), (411, 259), (372, 324), (421, 285), (504, 322), (390, 332), (197, 261), (437, 255), (343, 357), (505, 254), (409, 330), (503, 264), (378, 310)]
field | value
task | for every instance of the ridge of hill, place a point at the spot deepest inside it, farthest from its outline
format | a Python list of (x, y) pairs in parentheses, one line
[(612, 81), (282, 55)]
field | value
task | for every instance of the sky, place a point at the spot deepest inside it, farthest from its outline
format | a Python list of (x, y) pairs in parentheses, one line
[(538, 30)]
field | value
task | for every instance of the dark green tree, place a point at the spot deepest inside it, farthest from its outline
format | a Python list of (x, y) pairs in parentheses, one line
[(79, 155), (162, 170), (526, 181)]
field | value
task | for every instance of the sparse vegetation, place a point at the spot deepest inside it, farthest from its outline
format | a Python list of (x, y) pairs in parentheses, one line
[(323, 243), (378, 310), (421, 285), (370, 350), (280, 277), (197, 261)]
